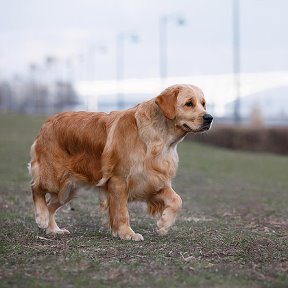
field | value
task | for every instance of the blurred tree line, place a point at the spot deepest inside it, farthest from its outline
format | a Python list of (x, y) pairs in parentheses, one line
[(33, 97)]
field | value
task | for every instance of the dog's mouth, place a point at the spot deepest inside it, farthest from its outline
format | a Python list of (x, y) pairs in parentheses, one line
[(187, 128), (205, 127)]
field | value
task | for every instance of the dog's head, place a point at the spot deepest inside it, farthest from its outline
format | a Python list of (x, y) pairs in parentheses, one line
[(185, 104)]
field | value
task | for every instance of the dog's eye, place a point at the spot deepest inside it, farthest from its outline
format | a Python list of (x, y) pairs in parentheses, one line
[(204, 104), (189, 104)]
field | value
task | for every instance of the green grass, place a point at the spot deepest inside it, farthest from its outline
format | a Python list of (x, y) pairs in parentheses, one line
[(231, 232)]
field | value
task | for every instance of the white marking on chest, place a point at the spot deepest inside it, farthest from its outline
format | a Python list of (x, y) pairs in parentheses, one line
[(152, 171)]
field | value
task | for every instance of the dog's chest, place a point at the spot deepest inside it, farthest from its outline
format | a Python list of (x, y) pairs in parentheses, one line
[(150, 173)]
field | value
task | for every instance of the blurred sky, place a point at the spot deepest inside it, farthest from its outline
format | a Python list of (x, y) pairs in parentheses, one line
[(33, 29)]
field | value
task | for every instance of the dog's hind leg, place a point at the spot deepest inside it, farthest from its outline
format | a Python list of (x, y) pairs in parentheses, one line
[(67, 192), (53, 206), (38, 192), (41, 209)]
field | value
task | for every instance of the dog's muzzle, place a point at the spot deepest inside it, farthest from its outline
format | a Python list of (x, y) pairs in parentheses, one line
[(207, 120)]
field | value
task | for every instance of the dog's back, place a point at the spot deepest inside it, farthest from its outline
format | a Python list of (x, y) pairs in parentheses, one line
[(69, 143)]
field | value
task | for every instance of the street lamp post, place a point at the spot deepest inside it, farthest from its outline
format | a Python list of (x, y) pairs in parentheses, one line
[(34, 86), (91, 60), (236, 60), (163, 24), (90, 65), (163, 47), (120, 63), (51, 76)]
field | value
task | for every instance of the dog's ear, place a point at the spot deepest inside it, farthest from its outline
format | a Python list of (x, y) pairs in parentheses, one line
[(167, 101)]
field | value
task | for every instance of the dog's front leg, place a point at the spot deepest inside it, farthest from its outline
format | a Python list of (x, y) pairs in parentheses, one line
[(173, 203), (118, 210)]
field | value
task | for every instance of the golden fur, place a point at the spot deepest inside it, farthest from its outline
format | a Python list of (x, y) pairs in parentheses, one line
[(130, 155)]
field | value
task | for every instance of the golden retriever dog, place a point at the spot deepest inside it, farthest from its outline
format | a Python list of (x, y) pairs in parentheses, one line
[(129, 155)]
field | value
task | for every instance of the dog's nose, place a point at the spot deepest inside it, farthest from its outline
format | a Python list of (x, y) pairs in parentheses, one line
[(207, 118)]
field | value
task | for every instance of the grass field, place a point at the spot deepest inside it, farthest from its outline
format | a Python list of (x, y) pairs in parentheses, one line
[(231, 232)]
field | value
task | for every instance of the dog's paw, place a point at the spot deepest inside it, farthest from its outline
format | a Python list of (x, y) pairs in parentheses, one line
[(162, 231), (57, 231), (129, 235), (163, 228), (126, 233), (42, 219), (137, 237)]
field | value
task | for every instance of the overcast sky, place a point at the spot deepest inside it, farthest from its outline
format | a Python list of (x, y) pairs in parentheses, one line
[(33, 29)]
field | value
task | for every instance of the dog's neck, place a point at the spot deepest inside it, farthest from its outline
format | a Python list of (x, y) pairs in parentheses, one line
[(155, 127)]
